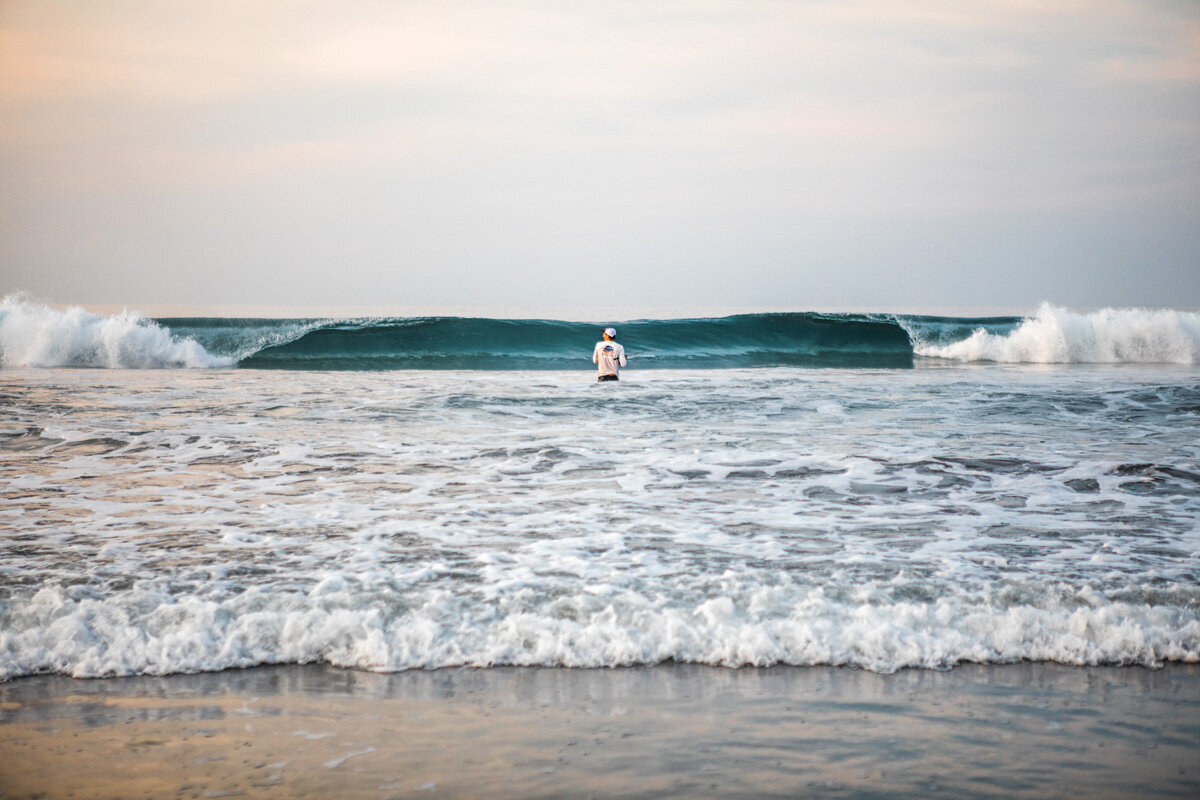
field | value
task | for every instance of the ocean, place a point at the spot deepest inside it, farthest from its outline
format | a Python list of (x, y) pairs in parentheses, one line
[(182, 495)]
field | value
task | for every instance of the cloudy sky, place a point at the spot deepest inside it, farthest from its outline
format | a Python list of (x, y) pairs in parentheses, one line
[(650, 153)]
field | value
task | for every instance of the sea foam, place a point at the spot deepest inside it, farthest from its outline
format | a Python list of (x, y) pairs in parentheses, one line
[(34, 335), (150, 632), (1056, 335), (163, 522)]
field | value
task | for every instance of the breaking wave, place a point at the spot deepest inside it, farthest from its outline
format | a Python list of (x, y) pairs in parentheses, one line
[(139, 632), (33, 335), (1058, 336)]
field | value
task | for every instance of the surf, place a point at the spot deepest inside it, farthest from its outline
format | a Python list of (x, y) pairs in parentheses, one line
[(1059, 336), (754, 340), (34, 335)]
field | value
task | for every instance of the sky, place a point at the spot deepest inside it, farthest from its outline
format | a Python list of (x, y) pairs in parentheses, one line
[(865, 153)]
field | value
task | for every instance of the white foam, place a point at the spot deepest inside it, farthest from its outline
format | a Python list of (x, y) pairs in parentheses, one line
[(34, 335), (139, 632), (174, 522), (1056, 335)]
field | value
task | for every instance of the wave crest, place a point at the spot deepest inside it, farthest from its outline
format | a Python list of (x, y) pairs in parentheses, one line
[(34, 335), (148, 632), (1057, 336)]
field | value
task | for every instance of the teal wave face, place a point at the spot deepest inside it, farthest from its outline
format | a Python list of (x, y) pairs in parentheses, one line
[(747, 340)]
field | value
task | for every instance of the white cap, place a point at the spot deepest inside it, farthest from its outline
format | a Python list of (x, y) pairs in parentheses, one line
[(612, 332)]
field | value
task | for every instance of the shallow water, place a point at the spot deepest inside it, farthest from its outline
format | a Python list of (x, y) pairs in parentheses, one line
[(1022, 730), (183, 520)]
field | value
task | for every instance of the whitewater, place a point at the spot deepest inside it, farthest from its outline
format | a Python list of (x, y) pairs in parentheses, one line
[(877, 491), (35, 335)]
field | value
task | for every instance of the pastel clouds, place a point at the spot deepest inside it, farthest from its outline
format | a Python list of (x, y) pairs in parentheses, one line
[(761, 133)]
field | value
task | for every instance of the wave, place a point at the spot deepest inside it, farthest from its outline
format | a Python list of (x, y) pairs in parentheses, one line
[(751, 340), (140, 631), (1058, 336), (799, 339), (33, 335)]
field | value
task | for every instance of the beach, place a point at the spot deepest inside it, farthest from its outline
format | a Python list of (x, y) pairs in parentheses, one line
[(932, 574), (1019, 730), (310, 486)]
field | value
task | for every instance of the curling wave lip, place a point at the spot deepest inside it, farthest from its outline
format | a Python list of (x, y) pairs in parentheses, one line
[(34, 335)]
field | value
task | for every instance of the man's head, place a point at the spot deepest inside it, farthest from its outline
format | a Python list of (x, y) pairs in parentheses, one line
[(610, 334)]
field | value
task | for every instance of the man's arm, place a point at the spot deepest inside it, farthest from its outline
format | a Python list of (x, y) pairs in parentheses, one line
[(596, 354)]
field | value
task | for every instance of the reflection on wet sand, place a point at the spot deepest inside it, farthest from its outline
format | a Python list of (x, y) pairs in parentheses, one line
[(1024, 730)]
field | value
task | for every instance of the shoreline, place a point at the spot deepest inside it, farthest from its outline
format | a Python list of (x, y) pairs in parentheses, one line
[(1030, 729)]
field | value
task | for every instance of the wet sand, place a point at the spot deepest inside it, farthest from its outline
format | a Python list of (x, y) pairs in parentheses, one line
[(1023, 730)]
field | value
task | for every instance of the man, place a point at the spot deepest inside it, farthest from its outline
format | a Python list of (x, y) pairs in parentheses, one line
[(609, 356)]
